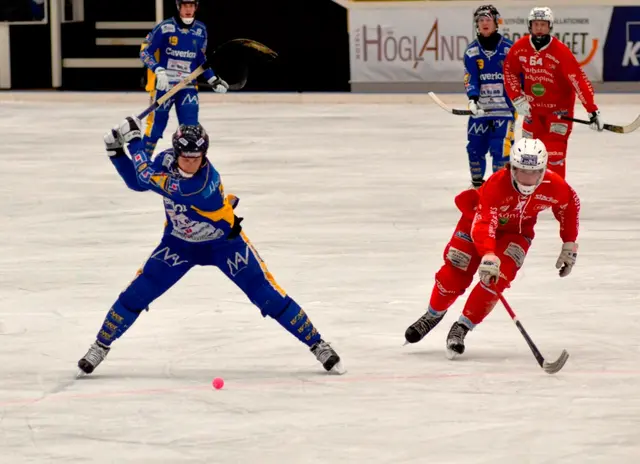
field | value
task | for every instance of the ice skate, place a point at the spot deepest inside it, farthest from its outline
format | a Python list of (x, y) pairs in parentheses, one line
[(455, 340), (417, 331), (96, 354), (328, 357)]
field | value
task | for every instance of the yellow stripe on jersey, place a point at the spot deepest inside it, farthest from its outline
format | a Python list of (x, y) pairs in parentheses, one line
[(263, 266)]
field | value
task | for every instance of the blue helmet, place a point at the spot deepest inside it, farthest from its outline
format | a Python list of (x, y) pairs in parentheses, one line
[(190, 141)]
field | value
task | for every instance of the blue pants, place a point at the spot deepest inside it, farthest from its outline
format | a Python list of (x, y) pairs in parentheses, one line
[(493, 135), (187, 106), (236, 258)]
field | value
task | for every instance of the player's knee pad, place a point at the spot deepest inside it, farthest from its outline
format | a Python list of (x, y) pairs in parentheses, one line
[(270, 302), (139, 294), (452, 281), (118, 320)]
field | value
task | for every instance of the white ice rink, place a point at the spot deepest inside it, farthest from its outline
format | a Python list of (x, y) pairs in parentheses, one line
[(351, 206)]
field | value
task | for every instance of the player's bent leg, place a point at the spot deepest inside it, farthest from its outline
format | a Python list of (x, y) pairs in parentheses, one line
[(241, 263), (511, 249), (556, 142), (161, 271), (187, 106), (156, 122), (501, 141), (451, 281)]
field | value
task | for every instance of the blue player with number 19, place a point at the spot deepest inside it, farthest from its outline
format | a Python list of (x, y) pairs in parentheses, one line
[(202, 229), (491, 125)]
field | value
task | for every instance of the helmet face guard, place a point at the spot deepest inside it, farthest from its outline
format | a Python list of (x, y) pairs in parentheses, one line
[(528, 162)]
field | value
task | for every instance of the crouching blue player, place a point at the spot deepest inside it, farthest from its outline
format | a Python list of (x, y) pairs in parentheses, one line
[(483, 80), (202, 229)]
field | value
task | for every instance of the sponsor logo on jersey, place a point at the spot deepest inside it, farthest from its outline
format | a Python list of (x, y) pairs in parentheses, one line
[(491, 76), (166, 256), (473, 51), (180, 53), (173, 40), (480, 63), (239, 262), (538, 89), (167, 28)]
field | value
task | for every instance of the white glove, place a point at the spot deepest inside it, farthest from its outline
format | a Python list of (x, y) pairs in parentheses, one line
[(218, 85), (475, 109), (162, 80), (489, 269), (522, 105), (567, 258), (113, 142), (596, 121), (130, 130)]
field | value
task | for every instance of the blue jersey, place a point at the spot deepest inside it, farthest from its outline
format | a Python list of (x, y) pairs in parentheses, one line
[(483, 77), (196, 208), (178, 50)]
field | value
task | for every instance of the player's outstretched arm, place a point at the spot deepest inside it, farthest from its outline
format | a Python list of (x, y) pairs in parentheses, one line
[(123, 164)]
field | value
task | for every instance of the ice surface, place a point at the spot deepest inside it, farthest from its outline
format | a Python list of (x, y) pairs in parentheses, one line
[(350, 205)]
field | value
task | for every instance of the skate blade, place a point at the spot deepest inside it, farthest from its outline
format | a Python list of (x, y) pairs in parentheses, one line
[(451, 355), (338, 369)]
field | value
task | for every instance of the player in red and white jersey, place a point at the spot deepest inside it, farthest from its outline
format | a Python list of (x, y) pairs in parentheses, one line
[(542, 79), (493, 237)]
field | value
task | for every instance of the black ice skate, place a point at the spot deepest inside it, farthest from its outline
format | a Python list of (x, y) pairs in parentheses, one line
[(328, 357), (455, 340), (477, 183), (422, 327), (96, 354)]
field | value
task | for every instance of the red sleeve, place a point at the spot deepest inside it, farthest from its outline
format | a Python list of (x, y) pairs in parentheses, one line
[(485, 222), (568, 214), (577, 78), (512, 71)]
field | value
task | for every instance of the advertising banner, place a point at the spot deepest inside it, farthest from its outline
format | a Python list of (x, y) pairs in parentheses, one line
[(622, 49), (408, 44), (417, 44)]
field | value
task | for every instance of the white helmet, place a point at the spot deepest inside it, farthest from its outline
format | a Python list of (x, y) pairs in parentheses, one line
[(528, 164), (541, 13)]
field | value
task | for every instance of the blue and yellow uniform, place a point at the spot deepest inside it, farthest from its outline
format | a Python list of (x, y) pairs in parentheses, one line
[(201, 230), (179, 49), (484, 83)]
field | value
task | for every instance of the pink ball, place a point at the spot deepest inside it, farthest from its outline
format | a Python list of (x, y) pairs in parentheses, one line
[(218, 383)]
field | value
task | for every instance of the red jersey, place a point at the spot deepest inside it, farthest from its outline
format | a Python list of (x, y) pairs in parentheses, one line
[(552, 76), (497, 208)]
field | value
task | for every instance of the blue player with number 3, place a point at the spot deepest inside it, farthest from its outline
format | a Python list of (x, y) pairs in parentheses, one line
[(491, 125), (202, 229)]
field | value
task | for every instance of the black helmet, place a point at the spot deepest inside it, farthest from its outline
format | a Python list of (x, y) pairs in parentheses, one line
[(180, 2), (190, 141), (486, 10)]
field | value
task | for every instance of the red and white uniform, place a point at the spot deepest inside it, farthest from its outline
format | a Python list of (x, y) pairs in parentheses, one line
[(497, 219), (552, 78)]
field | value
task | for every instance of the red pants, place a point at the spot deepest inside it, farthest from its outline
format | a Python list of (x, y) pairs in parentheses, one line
[(461, 261), (553, 132)]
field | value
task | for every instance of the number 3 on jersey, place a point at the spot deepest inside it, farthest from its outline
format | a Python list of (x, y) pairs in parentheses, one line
[(535, 61)]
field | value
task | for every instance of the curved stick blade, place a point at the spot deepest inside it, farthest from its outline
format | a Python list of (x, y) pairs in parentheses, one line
[(553, 367)]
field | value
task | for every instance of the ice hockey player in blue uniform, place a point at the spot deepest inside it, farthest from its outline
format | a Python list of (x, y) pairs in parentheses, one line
[(170, 52), (202, 229), (483, 80)]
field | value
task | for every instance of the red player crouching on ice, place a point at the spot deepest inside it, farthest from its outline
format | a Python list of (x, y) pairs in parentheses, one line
[(493, 236)]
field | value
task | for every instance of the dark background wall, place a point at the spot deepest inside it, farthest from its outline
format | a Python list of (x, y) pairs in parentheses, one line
[(310, 37)]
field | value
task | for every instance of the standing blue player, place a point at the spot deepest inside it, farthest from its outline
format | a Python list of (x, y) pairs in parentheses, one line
[(170, 52), (483, 81), (201, 230)]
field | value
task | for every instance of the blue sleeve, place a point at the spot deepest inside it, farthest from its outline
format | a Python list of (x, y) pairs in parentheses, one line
[(127, 171), (202, 191), (202, 54), (151, 44), (471, 75)]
